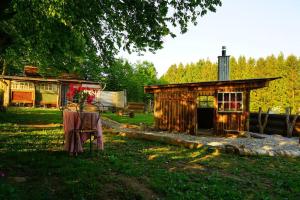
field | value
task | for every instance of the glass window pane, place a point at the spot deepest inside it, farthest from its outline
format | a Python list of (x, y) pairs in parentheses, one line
[(220, 96), (220, 107), (226, 106), (233, 105), (226, 96), (203, 104), (232, 96), (239, 106), (210, 104), (239, 97)]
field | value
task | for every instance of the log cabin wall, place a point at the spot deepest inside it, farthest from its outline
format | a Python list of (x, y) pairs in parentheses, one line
[(176, 111)]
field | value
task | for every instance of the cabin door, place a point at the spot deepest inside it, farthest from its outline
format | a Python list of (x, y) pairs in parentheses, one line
[(63, 96), (205, 112)]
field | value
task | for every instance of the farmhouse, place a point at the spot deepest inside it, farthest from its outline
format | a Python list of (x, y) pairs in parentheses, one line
[(221, 105), (33, 90)]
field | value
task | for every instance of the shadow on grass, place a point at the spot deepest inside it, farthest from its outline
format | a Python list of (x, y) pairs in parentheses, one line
[(35, 167)]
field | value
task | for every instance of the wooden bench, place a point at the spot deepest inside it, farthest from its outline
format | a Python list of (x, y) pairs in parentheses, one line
[(135, 107)]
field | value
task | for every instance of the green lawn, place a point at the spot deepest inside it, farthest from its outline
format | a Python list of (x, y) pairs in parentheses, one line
[(146, 118), (33, 166)]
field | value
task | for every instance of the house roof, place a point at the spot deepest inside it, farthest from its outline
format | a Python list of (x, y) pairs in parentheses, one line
[(23, 78), (212, 85)]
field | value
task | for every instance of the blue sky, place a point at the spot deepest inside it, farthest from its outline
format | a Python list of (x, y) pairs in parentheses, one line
[(253, 28)]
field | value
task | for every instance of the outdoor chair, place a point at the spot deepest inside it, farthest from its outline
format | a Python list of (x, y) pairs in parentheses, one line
[(78, 132)]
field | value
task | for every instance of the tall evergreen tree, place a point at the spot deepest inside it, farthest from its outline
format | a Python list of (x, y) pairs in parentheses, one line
[(284, 92)]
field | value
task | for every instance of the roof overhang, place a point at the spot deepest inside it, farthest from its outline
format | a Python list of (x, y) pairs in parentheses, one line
[(22, 78), (245, 84)]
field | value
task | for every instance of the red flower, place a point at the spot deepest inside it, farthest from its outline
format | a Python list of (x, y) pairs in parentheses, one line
[(90, 99), (80, 94)]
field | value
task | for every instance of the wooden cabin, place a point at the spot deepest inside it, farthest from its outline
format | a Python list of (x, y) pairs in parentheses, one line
[(219, 105), (36, 91)]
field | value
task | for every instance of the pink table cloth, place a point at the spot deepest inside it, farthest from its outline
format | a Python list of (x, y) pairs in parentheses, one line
[(71, 120)]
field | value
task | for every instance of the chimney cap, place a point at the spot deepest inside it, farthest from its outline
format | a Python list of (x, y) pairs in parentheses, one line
[(223, 50)]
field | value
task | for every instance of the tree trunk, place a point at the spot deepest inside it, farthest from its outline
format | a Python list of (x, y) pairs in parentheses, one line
[(262, 125), (290, 124), (4, 67)]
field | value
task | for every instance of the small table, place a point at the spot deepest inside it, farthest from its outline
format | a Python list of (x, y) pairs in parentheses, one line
[(72, 122)]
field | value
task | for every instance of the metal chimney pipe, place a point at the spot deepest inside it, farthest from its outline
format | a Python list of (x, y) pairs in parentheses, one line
[(223, 66)]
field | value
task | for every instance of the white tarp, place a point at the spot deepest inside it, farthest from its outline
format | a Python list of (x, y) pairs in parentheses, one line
[(112, 99)]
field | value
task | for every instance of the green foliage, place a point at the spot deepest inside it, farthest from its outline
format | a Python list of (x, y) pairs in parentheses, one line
[(281, 93), (78, 36), (203, 70), (121, 171), (131, 77)]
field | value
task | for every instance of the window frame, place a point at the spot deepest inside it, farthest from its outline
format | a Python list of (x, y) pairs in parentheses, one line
[(207, 103), (47, 87), (22, 85), (229, 102)]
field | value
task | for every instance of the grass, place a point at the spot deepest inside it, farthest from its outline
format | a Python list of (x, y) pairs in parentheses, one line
[(33, 166), (146, 118), (16, 115)]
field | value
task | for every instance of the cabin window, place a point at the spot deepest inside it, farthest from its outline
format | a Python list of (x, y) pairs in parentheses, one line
[(205, 101), (230, 101), (22, 85), (48, 87)]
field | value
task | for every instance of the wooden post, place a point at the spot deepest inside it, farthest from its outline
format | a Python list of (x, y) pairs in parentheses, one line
[(156, 104), (58, 101), (247, 111), (215, 121), (33, 94), (6, 95), (290, 124), (263, 125)]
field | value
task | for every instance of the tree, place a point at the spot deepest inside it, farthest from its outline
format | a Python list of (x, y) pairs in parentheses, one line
[(144, 74), (170, 75), (63, 34), (122, 75), (284, 92)]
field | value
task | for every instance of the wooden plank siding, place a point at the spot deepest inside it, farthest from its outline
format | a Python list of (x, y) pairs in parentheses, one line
[(230, 121), (238, 121), (175, 105), (176, 111)]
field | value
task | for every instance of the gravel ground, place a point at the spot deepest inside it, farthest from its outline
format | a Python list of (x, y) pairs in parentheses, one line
[(271, 145)]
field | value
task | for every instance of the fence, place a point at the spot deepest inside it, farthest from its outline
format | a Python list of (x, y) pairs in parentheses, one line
[(276, 124), (136, 107)]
